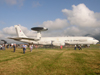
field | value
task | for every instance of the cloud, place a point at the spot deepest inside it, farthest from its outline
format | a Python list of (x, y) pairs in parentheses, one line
[(12, 32), (72, 31), (1, 34), (35, 4), (82, 16), (9, 30), (97, 15), (80, 21), (14, 2), (11, 2), (58, 24)]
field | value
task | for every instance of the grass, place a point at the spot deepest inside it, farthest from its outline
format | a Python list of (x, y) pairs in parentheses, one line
[(51, 61)]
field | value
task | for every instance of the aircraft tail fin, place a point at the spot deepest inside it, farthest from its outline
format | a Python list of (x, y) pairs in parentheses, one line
[(19, 31)]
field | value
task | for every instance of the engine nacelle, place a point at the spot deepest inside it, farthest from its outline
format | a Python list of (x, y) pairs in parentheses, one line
[(58, 43), (45, 42)]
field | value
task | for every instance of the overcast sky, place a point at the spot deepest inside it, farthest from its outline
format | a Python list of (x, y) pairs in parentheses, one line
[(61, 17)]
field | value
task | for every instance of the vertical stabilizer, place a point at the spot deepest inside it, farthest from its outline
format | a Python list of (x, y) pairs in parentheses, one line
[(19, 31)]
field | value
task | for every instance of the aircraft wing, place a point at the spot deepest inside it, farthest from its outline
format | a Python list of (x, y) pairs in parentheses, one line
[(19, 38)]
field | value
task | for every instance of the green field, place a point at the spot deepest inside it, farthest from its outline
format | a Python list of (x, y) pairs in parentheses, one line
[(51, 61)]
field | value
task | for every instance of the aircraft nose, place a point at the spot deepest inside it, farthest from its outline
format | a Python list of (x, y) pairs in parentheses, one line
[(96, 41)]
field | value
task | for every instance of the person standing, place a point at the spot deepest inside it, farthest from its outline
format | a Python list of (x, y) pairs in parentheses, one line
[(14, 46), (24, 48), (75, 47), (3, 46), (31, 48), (0, 47), (61, 47), (80, 47)]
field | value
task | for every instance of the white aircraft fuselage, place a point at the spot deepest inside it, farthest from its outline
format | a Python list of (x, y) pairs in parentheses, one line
[(56, 41)]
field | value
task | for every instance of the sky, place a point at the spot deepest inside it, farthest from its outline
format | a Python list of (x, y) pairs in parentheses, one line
[(61, 17)]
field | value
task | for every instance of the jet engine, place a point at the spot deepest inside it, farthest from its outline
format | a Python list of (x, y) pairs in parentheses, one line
[(58, 43), (45, 42)]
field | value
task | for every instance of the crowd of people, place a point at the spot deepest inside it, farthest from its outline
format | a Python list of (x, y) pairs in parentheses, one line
[(24, 46), (2, 46), (78, 46), (14, 46)]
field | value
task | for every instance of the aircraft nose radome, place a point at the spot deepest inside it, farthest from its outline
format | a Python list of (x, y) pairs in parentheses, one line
[(96, 41)]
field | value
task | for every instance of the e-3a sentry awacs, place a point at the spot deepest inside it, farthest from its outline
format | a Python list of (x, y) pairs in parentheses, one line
[(56, 41)]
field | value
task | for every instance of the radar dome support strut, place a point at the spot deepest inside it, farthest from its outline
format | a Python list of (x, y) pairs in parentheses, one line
[(39, 29)]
